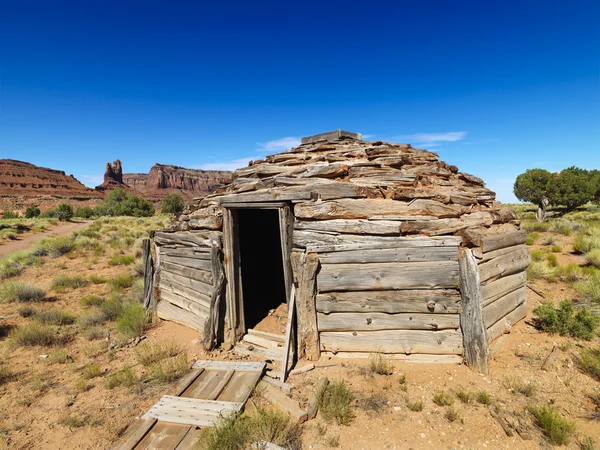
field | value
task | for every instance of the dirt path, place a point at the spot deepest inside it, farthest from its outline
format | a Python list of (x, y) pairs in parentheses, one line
[(30, 239)]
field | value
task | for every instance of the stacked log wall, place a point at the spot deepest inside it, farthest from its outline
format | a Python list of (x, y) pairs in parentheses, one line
[(503, 261), (382, 292), (185, 278)]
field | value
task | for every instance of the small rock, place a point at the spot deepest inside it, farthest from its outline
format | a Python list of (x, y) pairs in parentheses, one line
[(43, 356)]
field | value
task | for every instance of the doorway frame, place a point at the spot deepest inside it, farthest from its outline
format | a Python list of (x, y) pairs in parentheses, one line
[(235, 326)]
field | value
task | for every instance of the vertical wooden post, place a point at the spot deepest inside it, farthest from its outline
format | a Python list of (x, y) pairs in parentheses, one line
[(229, 260), (305, 275), (475, 341), (211, 327), (149, 302)]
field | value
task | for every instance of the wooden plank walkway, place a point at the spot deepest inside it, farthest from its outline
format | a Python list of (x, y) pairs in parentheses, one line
[(212, 389)]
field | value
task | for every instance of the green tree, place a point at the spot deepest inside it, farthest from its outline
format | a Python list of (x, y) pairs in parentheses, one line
[(32, 211), (7, 214), (173, 204), (572, 188), (84, 212), (121, 203), (64, 212), (533, 186)]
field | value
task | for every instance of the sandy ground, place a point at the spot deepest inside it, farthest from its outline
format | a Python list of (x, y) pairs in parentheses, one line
[(24, 243)]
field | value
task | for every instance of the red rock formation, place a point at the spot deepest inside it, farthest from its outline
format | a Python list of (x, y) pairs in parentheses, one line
[(114, 171), (166, 179)]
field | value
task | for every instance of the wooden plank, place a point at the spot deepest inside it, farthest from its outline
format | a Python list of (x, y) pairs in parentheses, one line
[(138, 435), (390, 255), (192, 238), (305, 270), (187, 381), (325, 243), (356, 226), (188, 272), (476, 347), (190, 440), (384, 276), (447, 342), (504, 325), (240, 387), (167, 311), (370, 321), (288, 332), (365, 208), (149, 300), (267, 195), (250, 350), (495, 311), (416, 358), (211, 328), (163, 436), (194, 308), (196, 285), (230, 265), (184, 291), (203, 384), (261, 341), (282, 402), (186, 252), (256, 205), (272, 336), (496, 253), (502, 286), (189, 262), (191, 411), (435, 301), (214, 394), (514, 262), (228, 365), (496, 241)]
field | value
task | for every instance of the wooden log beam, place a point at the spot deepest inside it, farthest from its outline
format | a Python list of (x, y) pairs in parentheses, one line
[(447, 342), (211, 326), (167, 311), (191, 262), (390, 255), (186, 292), (502, 286), (418, 358), (305, 267), (188, 272), (149, 300), (187, 252), (385, 276), (445, 301), (326, 243), (504, 325), (495, 311), (513, 262), (371, 321), (492, 242), (356, 226), (267, 195), (476, 347), (192, 307), (192, 238), (196, 285), (365, 208)]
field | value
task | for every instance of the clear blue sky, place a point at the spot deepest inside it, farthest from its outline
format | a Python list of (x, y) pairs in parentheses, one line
[(493, 87)]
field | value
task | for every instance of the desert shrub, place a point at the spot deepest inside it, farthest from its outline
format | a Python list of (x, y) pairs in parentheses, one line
[(121, 260), (34, 334), (64, 212), (465, 396), (121, 282), (442, 398), (589, 362), (85, 212), (587, 240), (570, 273), (173, 204), (593, 257), (549, 239), (564, 321), (148, 353), (27, 311), (49, 214), (93, 333), (97, 279), (590, 288), (556, 249), (380, 364), (138, 268), (92, 370), (537, 255), (92, 317), (75, 420), (335, 403), (58, 356), (18, 291), (63, 282), (6, 214), (452, 414), (552, 260), (14, 264), (132, 321), (121, 203), (9, 234), (415, 406), (91, 300), (534, 225), (6, 375), (557, 429), (125, 377), (540, 270), (169, 369), (112, 308), (55, 317), (532, 238), (32, 211), (54, 247), (484, 398), (520, 386)]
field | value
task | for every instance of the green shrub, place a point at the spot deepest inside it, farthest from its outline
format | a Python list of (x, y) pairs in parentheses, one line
[(590, 288), (586, 241), (538, 255), (121, 203), (63, 282), (442, 398), (59, 357), (54, 247), (533, 236), (563, 321), (557, 429), (27, 311), (112, 308), (6, 214), (415, 406), (92, 317), (32, 211), (452, 414), (64, 212), (589, 362), (552, 260), (540, 270), (92, 370), (49, 214), (534, 225), (556, 249), (121, 260), (94, 333), (18, 291), (14, 264), (97, 279), (91, 300), (335, 403), (132, 321), (529, 241), (85, 212), (593, 257), (173, 204), (55, 317), (169, 369), (148, 353), (570, 273), (484, 398), (34, 334), (465, 396), (9, 234), (125, 377), (6, 375), (380, 364), (121, 282)]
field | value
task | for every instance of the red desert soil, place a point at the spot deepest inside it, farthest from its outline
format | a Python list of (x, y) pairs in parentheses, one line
[(30, 239)]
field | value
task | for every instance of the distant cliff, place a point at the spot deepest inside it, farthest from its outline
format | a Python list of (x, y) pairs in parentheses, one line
[(165, 179)]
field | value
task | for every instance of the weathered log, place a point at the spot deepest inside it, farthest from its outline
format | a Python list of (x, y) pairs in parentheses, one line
[(365, 208), (485, 257), (416, 358), (261, 341), (267, 195), (404, 301), (324, 171), (410, 193), (186, 292), (167, 311), (357, 226), (391, 255), (505, 325), (193, 238), (305, 268), (271, 336), (206, 223), (550, 358), (496, 310), (496, 241), (387, 172), (282, 402), (505, 265), (186, 252), (471, 319), (313, 407), (194, 308), (188, 272), (149, 301), (196, 285), (371, 321), (502, 286), (384, 276), (394, 341), (190, 263), (211, 326)]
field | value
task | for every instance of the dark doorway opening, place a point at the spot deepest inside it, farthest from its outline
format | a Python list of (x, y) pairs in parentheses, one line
[(261, 262)]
